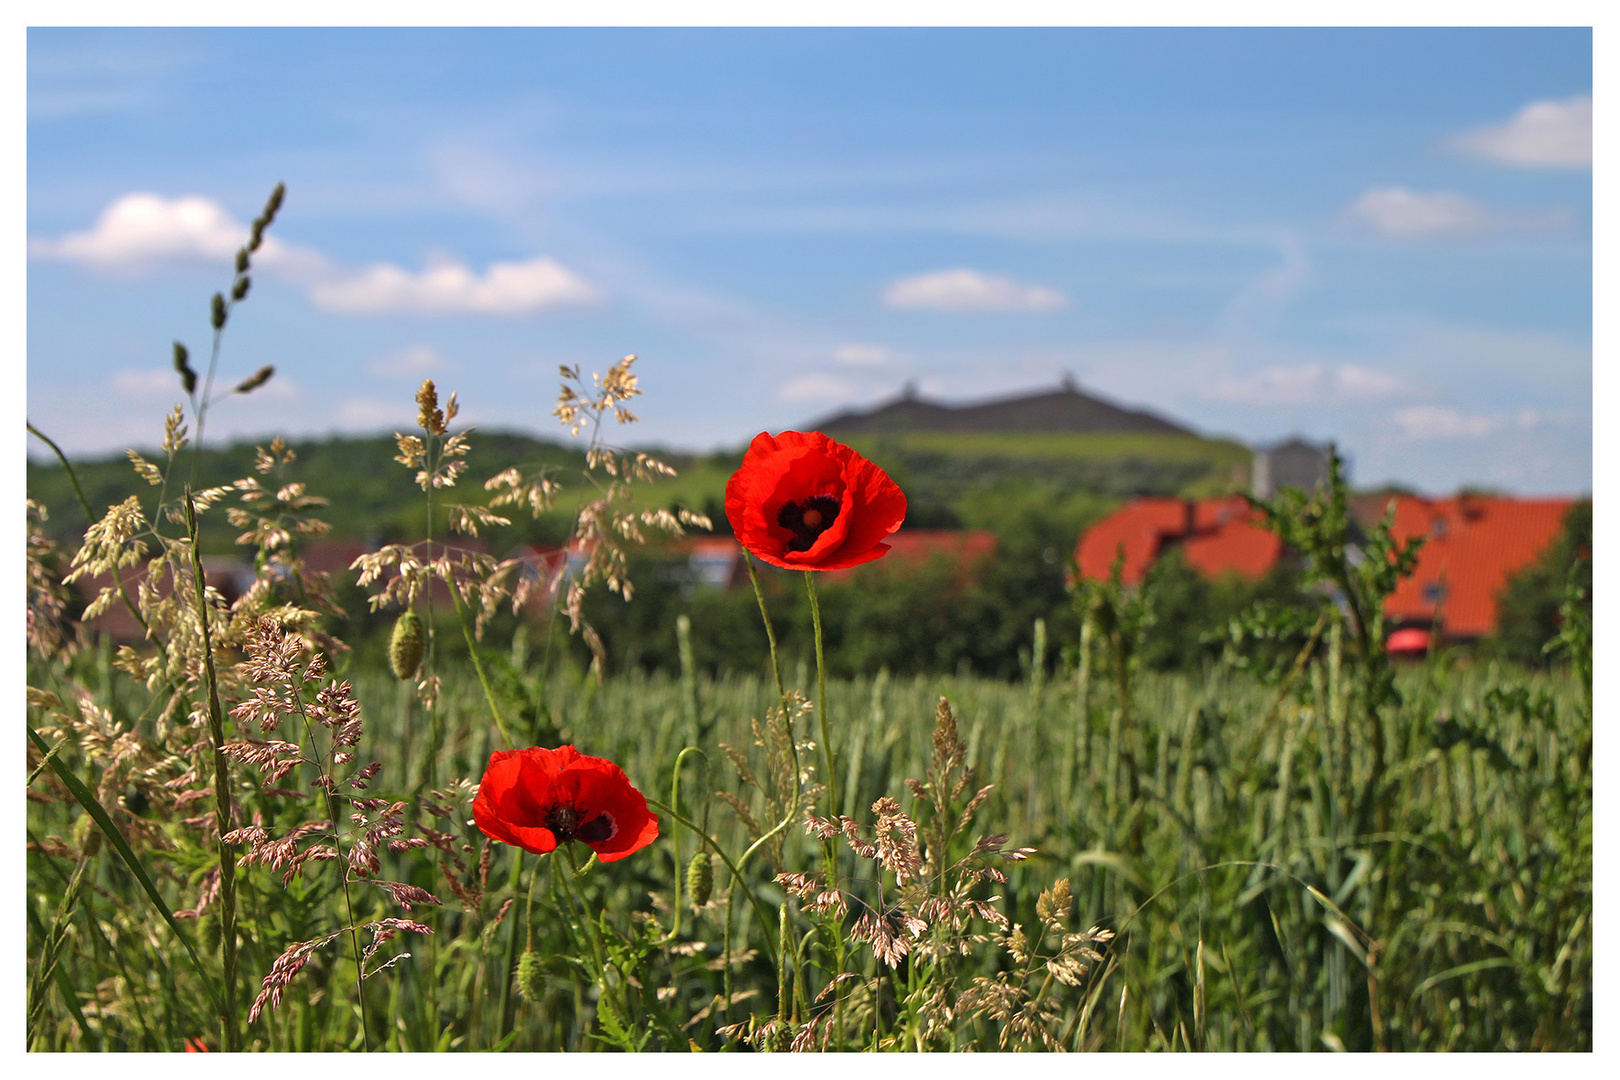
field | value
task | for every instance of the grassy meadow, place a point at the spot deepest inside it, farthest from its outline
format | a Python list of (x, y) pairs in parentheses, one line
[(1209, 827)]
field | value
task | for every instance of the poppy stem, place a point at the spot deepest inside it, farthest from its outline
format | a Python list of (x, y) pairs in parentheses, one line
[(770, 632), (675, 836), (734, 867), (821, 693)]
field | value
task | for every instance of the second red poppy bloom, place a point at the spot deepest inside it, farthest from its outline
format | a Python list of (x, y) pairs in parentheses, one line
[(537, 798), (804, 502)]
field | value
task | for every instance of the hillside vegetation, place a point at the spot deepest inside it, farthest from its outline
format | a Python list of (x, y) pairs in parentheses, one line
[(953, 480)]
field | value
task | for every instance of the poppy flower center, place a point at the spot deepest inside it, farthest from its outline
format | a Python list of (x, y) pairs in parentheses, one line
[(565, 823), (807, 520)]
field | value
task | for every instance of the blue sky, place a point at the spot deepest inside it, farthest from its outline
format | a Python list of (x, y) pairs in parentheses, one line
[(1382, 237)]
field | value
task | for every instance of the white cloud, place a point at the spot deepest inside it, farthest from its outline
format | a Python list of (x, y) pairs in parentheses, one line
[(141, 228), (368, 413), (1305, 384), (1355, 381), (1440, 422), (864, 355), (968, 290), (1406, 214), (1543, 134), (816, 386), (447, 285), (407, 363), (149, 385)]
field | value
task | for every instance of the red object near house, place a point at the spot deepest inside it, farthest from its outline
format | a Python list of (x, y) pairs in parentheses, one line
[(1408, 642), (1216, 536), (1475, 544)]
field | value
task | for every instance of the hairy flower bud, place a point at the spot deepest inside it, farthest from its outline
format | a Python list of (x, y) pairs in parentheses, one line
[(700, 879), (407, 645), (531, 976)]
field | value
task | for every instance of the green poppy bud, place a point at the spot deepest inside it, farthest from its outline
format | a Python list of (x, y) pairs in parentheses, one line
[(531, 976), (406, 647), (700, 879)]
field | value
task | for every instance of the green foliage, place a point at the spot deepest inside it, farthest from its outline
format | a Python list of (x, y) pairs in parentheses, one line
[(1528, 608)]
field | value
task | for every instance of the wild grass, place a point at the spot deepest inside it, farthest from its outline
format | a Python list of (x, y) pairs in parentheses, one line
[(1477, 896)]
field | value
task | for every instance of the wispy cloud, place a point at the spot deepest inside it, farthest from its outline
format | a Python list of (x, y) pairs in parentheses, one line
[(448, 286), (1404, 214), (864, 355), (1264, 298), (1306, 384), (816, 386), (369, 413), (407, 363), (968, 290), (1542, 135), (149, 385), (1441, 422)]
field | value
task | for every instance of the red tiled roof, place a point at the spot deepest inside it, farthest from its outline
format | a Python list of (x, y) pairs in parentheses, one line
[(1140, 527), (1216, 536), (1475, 545)]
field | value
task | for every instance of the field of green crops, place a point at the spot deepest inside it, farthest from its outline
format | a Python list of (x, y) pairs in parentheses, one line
[(1208, 826)]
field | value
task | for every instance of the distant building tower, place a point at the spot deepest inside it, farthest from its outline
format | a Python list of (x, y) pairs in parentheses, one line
[(1291, 463)]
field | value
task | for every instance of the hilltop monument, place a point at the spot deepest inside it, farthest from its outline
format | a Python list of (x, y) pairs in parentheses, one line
[(1067, 408)]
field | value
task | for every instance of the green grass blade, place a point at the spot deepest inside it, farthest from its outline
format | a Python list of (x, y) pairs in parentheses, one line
[(114, 837)]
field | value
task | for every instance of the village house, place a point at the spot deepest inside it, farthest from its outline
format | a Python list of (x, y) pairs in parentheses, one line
[(1474, 545)]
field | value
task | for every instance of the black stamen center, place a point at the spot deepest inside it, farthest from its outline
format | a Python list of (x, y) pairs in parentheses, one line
[(807, 520), (565, 824), (563, 821)]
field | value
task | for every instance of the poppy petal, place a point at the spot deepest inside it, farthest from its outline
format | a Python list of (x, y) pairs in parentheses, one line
[(793, 467)]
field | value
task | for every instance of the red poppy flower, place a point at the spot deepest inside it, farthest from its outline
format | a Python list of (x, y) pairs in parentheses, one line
[(536, 799), (804, 502), (196, 1046)]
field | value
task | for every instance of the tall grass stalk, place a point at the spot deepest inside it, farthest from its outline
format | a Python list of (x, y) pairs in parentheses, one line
[(230, 1032)]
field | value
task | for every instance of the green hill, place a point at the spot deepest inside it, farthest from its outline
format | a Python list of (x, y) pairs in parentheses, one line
[(952, 479)]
